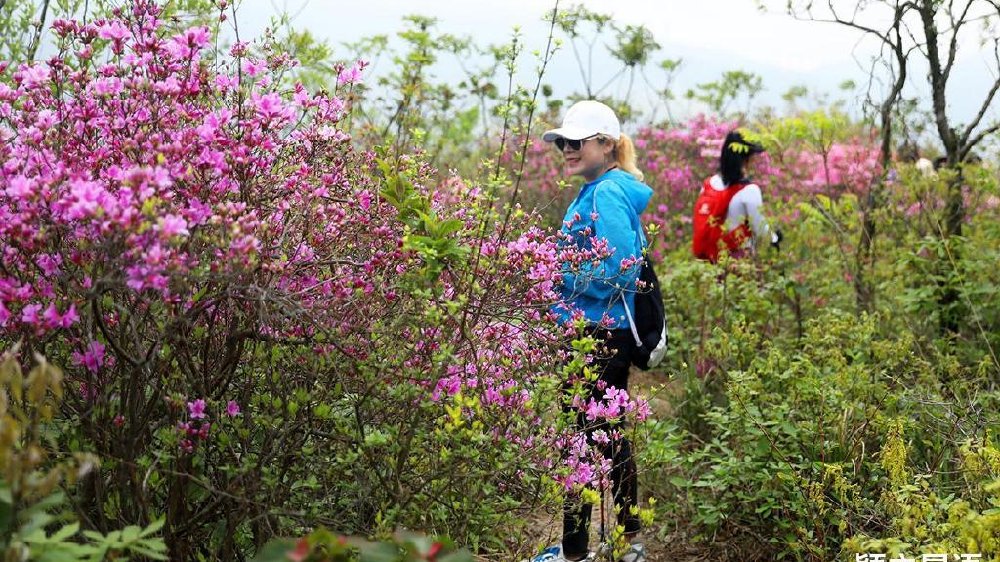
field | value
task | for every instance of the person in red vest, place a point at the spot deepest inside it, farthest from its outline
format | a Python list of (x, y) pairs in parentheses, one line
[(727, 213)]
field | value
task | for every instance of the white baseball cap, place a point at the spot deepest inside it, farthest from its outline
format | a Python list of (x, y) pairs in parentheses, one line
[(585, 119)]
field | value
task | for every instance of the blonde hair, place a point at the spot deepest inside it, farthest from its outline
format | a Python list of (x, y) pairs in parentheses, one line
[(625, 156)]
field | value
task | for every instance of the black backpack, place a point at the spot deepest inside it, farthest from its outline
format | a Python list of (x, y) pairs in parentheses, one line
[(649, 326)]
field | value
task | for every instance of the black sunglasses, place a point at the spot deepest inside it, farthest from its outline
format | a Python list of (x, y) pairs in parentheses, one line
[(575, 144)]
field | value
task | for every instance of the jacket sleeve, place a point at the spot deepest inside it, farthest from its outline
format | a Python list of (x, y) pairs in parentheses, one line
[(606, 279)]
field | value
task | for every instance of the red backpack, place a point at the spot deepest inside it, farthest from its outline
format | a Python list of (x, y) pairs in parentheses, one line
[(710, 218)]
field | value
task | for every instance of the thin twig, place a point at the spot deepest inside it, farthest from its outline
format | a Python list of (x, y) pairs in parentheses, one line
[(36, 40)]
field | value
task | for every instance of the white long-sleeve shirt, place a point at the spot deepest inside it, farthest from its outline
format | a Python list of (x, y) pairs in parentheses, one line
[(745, 205)]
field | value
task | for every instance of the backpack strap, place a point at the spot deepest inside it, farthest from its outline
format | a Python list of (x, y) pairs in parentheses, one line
[(631, 321), (640, 233)]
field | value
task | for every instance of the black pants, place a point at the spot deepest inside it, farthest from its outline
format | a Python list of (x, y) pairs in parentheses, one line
[(612, 366)]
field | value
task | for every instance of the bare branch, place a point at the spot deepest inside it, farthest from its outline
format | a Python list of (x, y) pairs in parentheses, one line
[(938, 79), (987, 103), (956, 26), (108, 336), (36, 40), (848, 23), (979, 116), (978, 138)]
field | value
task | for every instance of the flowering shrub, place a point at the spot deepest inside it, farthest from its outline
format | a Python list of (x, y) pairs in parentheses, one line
[(264, 327), (844, 168), (801, 430)]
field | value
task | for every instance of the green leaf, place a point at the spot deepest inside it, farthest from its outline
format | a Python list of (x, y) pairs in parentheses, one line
[(6, 514), (66, 532), (94, 536), (37, 520), (322, 411), (155, 554), (449, 227), (153, 527)]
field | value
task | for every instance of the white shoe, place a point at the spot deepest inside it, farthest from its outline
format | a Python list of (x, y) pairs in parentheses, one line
[(554, 554)]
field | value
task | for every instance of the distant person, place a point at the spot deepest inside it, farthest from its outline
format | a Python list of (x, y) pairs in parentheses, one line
[(909, 153), (924, 166), (608, 206), (727, 213)]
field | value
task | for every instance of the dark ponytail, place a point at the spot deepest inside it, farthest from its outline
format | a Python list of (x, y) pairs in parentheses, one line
[(736, 150)]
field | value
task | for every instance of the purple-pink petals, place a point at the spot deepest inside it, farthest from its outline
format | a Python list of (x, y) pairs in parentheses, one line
[(93, 358), (159, 190), (196, 409), (187, 44), (351, 74), (192, 432)]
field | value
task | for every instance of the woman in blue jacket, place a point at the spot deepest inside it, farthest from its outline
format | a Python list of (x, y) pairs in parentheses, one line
[(607, 209)]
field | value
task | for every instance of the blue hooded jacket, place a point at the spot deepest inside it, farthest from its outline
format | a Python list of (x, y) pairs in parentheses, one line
[(617, 199)]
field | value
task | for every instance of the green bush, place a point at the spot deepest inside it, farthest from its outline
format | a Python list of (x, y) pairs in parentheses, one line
[(36, 521), (816, 447)]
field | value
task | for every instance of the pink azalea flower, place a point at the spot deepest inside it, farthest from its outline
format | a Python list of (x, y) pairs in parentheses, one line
[(365, 199), (269, 106), (34, 75), (232, 409), (87, 198), (113, 30), (301, 97), (70, 317), (226, 83), (352, 74), (186, 45), (93, 358), (29, 314), (196, 409), (253, 67), (19, 187), (172, 225), (49, 263), (51, 316), (107, 86), (198, 36)]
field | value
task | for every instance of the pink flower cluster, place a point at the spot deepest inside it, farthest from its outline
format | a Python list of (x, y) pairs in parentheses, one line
[(197, 428), (146, 170), (149, 197), (677, 160), (194, 430)]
